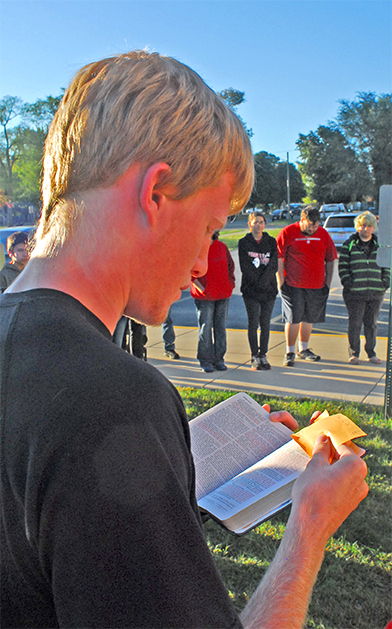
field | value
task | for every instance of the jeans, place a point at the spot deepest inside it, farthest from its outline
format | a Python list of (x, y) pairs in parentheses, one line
[(211, 317), (259, 314), (168, 335), (366, 312)]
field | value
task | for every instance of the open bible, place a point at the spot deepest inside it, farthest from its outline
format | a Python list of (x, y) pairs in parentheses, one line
[(246, 465)]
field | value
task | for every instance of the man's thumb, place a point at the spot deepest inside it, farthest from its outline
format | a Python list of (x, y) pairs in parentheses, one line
[(323, 447)]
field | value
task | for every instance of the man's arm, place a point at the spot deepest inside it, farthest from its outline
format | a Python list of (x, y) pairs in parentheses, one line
[(323, 496), (329, 266), (280, 274)]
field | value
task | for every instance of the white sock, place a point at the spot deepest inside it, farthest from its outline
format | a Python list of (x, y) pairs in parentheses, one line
[(290, 349), (302, 346)]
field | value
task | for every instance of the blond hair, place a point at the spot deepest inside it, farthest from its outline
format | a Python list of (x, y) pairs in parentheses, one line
[(145, 108), (366, 218)]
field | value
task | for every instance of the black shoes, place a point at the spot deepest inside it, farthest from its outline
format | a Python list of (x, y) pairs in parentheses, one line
[(307, 354), (289, 359), (171, 353)]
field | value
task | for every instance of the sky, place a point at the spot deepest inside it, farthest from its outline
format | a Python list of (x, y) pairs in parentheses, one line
[(294, 59)]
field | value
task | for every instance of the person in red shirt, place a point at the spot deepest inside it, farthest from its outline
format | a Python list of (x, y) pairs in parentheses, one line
[(306, 256), (211, 294)]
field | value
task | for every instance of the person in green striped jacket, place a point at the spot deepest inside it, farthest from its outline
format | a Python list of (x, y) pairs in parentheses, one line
[(364, 286)]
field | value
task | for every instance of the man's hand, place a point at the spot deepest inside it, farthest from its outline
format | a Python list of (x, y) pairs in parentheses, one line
[(324, 495), (283, 417)]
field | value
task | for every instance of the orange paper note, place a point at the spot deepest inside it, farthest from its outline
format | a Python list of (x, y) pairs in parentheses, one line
[(339, 428)]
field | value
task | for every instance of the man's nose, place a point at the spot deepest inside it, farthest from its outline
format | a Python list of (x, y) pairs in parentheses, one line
[(201, 264)]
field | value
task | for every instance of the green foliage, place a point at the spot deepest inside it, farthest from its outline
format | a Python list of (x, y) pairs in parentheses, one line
[(21, 145), (271, 181), (350, 158), (332, 169), (353, 585), (233, 98), (366, 123)]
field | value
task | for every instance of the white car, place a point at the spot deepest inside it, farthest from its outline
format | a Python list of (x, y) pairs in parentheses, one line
[(340, 227), (331, 208)]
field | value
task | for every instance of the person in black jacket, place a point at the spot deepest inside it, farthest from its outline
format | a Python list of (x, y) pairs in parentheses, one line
[(258, 257), (364, 285)]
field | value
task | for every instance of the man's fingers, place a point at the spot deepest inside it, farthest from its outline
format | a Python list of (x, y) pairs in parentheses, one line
[(322, 449), (267, 408), (314, 416), (284, 418), (344, 450)]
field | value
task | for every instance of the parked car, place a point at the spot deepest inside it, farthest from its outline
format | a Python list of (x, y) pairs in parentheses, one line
[(279, 215), (340, 226), (295, 214), (7, 231), (331, 208)]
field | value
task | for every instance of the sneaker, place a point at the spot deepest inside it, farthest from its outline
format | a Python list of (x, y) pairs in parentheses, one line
[(375, 360), (289, 359), (307, 354), (264, 364), (353, 360), (220, 366), (255, 364), (171, 353), (207, 368)]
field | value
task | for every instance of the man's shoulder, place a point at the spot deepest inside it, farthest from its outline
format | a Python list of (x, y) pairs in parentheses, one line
[(9, 270), (288, 232)]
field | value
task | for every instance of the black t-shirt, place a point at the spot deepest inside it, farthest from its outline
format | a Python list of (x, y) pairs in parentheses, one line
[(100, 522)]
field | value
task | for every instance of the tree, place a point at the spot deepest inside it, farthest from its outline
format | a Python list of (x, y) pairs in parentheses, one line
[(233, 98), (332, 169), (349, 159), (10, 108), (297, 188), (366, 122), (21, 146), (271, 181)]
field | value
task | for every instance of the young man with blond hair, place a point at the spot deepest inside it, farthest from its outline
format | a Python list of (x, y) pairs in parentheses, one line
[(364, 286), (143, 162)]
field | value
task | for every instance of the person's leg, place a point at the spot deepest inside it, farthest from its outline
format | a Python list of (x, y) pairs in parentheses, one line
[(205, 315), (266, 308), (137, 339), (168, 335), (370, 318), (315, 301), (220, 340), (305, 330), (253, 311), (293, 308), (355, 312), (291, 332)]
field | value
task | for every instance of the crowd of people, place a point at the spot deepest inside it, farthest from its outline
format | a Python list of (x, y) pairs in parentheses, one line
[(99, 520), (299, 266)]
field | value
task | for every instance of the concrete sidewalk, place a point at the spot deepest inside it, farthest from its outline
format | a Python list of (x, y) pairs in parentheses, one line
[(331, 378)]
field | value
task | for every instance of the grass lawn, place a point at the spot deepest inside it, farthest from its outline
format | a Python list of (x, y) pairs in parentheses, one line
[(353, 589)]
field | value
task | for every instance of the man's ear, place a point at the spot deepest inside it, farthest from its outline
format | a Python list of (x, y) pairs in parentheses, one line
[(152, 191)]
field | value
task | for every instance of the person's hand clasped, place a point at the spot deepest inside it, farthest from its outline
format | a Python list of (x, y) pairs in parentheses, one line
[(325, 494)]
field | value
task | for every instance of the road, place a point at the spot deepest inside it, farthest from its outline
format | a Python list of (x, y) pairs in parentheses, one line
[(184, 313)]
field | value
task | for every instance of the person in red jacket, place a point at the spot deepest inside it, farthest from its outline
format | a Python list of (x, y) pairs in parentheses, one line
[(211, 294)]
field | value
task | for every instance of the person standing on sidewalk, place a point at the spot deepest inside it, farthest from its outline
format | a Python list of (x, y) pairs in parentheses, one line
[(258, 256), (211, 294), (364, 285), (306, 256)]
